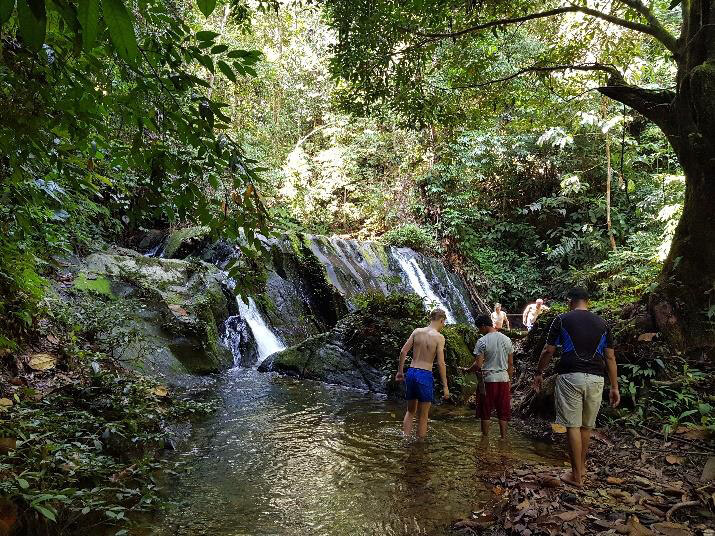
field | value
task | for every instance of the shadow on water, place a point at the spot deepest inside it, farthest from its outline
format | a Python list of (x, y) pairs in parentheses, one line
[(289, 457)]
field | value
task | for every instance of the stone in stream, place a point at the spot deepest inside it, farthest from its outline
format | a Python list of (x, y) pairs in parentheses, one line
[(362, 350), (161, 316)]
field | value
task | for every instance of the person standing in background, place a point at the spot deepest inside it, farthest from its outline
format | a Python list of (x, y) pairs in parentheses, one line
[(499, 317), (532, 312)]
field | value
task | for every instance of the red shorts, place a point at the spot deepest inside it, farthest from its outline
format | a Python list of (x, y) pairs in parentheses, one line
[(498, 396)]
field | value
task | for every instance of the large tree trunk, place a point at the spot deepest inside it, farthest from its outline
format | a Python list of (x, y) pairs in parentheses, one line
[(686, 287)]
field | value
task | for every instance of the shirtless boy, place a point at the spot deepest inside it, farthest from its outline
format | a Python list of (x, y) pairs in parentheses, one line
[(426, 343)]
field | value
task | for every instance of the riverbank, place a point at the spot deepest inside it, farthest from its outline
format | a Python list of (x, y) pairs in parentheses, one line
[(637, 484), (651, 467)]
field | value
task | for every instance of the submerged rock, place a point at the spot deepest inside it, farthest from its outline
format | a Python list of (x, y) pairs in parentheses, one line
[(362, 350), (165, 313)]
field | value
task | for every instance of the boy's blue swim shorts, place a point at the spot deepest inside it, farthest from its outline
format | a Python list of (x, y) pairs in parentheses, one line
[(419, 384)]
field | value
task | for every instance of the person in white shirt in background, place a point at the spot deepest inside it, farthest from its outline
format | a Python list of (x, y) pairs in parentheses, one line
[(532, 312), (499, 317)]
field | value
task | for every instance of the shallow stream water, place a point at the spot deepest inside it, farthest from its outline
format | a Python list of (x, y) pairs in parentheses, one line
[(291, 457)]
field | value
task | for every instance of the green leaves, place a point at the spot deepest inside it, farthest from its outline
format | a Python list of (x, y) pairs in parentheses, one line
[(206, 6), (88, 15), (121, 29), (226, 70), (33, 23), (6, 8)]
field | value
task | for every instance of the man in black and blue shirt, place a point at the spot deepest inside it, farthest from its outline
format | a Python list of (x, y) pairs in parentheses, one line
[(587, 355)]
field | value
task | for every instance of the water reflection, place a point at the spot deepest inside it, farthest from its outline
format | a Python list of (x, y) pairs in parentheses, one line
[(288, 457)]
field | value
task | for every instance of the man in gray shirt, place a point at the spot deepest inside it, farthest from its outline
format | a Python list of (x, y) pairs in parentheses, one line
[(494, 365)]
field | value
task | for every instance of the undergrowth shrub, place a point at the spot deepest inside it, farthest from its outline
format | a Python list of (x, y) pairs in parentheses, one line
[(411, 235)]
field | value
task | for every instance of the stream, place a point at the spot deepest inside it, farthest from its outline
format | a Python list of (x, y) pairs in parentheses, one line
[(287, 457)]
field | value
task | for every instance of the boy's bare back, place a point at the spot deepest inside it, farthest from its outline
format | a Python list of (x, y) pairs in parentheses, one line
[(426, 341)]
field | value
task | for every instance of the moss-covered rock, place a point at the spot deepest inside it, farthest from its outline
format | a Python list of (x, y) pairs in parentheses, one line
[(184, 242), (169, 312), (363, 349)]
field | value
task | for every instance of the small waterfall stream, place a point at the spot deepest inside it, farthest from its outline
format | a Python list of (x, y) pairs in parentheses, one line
[(267, 342), (419, 283)]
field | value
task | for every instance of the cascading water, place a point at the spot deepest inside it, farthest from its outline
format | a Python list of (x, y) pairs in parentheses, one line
[(418, 281), (266, 341)]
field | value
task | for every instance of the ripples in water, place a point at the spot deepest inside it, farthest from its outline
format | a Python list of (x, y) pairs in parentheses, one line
[(289, 457)]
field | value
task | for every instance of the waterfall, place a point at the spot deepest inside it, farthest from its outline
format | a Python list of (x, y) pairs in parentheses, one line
[(266, 341), (419, 283)]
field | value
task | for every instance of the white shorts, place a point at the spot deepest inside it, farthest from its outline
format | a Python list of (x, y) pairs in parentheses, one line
[(578, 398)]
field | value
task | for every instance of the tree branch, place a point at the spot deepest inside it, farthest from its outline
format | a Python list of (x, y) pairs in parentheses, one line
[(653, 104), (664, 36), (658, 32), (610, 69)]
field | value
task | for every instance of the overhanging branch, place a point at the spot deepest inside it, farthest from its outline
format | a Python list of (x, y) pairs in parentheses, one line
[(654, 104), (653, 28)]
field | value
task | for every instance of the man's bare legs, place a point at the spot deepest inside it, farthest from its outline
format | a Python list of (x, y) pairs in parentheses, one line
[(423, 417), (409, 417), (577, 456), (585, 441), (502, 428)]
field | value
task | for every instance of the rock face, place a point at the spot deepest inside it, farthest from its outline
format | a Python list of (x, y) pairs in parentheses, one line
[(362, 350), (307, 283), (168, 312)]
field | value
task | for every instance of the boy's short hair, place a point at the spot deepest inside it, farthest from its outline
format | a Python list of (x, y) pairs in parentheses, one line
[(577, 294), (437, 313), (483, 321), (497, 305)]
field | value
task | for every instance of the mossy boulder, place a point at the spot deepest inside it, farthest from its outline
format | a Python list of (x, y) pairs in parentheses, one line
[(169, 311), (185, 242), (362, 350)]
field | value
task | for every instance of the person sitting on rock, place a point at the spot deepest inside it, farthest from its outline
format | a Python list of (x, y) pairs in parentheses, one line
[(494, 363), (499, 317), (532, 312), (587, 353), (426, 344)]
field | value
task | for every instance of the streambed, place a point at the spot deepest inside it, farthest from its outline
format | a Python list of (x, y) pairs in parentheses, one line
[(283, 456)]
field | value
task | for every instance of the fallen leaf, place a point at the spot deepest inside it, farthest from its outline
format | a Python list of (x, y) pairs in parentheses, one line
[(671, 529), (674, 460), (708, 470), (635, 528), (646, 337), (53, 340), (696, 434), (551, 482), (614, 480), (7, 444), (42, 362), (570, 516), (558, 428), (160, 390), (5, 404), (178, 310), (637, 444), (524, 504), (498, 490)]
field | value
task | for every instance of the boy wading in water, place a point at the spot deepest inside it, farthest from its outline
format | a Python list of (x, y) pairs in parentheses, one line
[(587, 354), (426, 344), (494, 364)]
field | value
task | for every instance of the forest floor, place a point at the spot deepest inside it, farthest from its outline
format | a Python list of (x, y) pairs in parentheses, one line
[(639, 481), (637, 484)]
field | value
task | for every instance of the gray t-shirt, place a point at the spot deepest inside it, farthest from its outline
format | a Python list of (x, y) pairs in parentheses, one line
[(496, 348)]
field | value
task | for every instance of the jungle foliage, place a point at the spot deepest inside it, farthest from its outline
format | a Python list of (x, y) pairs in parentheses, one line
[(108, 126)]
